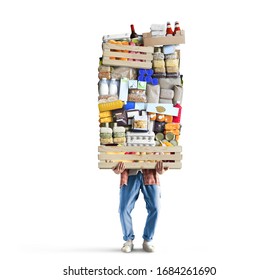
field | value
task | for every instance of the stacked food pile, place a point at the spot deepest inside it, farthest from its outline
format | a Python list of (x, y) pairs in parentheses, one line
[(140, 96)]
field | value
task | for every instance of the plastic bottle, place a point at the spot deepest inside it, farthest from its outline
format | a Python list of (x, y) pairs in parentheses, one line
[(177, 119), (177, 27), (169, 29), (113, 89), (103, 87)]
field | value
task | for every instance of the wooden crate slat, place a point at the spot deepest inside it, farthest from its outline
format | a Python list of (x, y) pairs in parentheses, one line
[(139, 149), (128, 55), (133, 64), (107, 46), (139, 165), (123, 157)]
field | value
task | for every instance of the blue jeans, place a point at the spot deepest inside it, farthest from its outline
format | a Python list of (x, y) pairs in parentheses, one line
[(128, 196)]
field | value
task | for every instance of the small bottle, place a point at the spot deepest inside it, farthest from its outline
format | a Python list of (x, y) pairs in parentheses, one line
[(103, 87), (169, 29), (176, 119), (133, 32), (176, 28), (113, 89)]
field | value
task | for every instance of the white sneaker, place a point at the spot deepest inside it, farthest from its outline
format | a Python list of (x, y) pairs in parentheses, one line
[(148, 247), (128, 246)]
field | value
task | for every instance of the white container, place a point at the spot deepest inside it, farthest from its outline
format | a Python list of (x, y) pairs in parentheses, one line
[(103, 87), (113, 89)]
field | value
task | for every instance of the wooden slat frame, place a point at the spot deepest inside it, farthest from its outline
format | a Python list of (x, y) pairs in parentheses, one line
[(110, 50), (110, 155)]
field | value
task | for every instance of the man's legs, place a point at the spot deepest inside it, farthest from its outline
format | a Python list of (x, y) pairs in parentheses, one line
[(152, 196), (128, 196)]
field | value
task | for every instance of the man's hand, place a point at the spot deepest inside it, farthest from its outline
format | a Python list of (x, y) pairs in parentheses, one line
[(119, 168), (160, 167)]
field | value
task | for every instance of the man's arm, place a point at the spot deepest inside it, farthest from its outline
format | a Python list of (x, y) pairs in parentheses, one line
[(119, 168), (160, 167)]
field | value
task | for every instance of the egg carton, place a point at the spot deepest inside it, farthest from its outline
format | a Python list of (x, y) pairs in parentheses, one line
[(140, 138)]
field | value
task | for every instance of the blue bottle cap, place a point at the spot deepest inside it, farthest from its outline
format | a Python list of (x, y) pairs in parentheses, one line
[(141, 78), (155, 81)]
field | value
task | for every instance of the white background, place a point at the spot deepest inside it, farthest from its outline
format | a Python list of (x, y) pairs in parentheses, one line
[(58, 209)]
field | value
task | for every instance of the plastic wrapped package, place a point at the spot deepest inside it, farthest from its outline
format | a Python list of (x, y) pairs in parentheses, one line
[(107, 98), (137, 95), (106, 135), (104, 72), (153, 93), (124, 72), (166, 93), (173, 70), (169, 83), (178, 93), (139, 123), (119, 135), (159, 63), (171, 62), (110, 105)]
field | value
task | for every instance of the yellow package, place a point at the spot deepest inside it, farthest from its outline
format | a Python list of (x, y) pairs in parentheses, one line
[(106, 120), (105, 114), (117, 104)]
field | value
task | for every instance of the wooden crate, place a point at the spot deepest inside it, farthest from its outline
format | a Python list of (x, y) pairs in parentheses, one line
[(179, 38), (110, 155), (123, 51)]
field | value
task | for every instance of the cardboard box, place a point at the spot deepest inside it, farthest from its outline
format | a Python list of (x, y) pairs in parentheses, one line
[(148, 40)]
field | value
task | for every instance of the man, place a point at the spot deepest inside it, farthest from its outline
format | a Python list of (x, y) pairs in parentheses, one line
[(131, 182)]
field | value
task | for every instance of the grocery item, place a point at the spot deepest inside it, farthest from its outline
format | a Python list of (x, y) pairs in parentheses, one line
[(113, 88), (178, 93), (106, 135), (107, 98), (123, 72), (119, 134), (123, 90), (169, 83), (103, 87), (176, 28), (133, 32), (137, 95), (120, 117), (152, 116), (140, 138), (167, 109), (110, 105), (166, 93), (139, 123), (152, 93), (105, 114), (169, 29), (159, 126), (160, 118), (172, 126), (106, 120), (168, 119), (177, 119)]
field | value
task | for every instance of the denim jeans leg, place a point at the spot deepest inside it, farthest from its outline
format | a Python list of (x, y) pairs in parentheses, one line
[(128, 196), (152, 196)]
